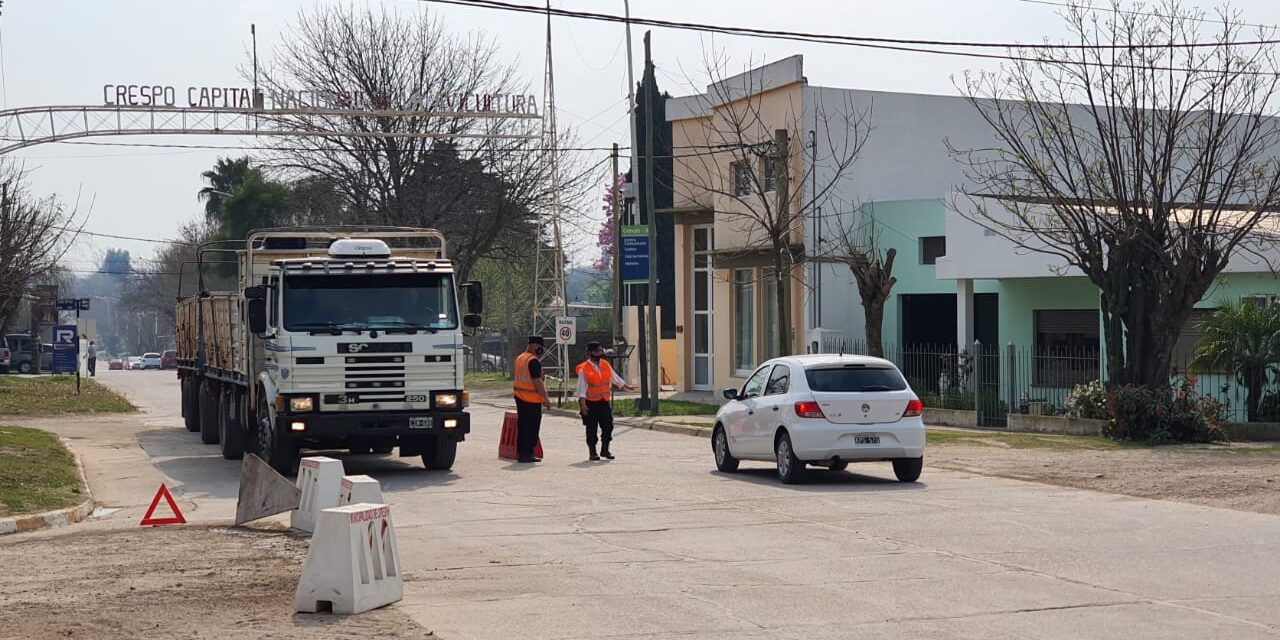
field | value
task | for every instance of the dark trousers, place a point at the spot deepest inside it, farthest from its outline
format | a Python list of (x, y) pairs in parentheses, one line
[(528, 426), (93, 366), (599, 414)]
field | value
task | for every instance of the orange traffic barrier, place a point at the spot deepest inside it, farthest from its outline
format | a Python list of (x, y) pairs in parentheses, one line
[(507, 447)]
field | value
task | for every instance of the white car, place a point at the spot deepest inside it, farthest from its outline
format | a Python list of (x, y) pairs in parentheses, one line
[(150, 361), (822, 410)]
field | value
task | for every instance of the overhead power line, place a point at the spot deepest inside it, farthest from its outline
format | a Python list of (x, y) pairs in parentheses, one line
[(82, 232), (825, 37)]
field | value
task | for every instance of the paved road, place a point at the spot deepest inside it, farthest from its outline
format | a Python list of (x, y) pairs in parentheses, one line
[(658, 545)]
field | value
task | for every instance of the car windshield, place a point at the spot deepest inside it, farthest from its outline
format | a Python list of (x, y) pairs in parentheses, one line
[(389, 302), (151, 355), (855, 379)]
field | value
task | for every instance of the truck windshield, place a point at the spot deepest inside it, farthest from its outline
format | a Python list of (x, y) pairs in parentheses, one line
[(388, 302)]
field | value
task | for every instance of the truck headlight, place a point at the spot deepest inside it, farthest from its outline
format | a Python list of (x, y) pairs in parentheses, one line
[(447, 400), (302, 404)]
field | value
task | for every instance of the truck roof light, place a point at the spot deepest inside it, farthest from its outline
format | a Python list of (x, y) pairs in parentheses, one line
[(359, 248)]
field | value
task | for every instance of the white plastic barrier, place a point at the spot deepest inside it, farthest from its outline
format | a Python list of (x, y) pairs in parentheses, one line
[(357, 489), (353, 564), (319, 480)]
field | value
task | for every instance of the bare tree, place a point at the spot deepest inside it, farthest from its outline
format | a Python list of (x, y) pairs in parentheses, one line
[(480, 192), (1141, 160), (34, 235), (854, 241), (749, 159)]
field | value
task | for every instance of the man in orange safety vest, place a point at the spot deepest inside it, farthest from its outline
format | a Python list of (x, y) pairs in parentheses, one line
[(531, 396), (596, 381)]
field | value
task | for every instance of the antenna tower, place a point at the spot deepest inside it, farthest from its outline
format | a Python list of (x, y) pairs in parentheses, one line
[(548, 287)]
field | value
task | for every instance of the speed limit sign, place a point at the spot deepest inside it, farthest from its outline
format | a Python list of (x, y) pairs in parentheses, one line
[(566, 331)]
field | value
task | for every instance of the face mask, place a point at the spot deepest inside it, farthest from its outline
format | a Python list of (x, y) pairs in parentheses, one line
[(594, 358), (539, 351)]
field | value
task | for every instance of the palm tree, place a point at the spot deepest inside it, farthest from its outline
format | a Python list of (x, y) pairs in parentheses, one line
[(226, 176), (1243, 338)]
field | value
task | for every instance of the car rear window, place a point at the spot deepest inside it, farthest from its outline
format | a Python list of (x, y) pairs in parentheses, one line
[(855, 379)]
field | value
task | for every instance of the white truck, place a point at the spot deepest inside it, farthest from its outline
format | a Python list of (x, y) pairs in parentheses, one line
[(337, 337)]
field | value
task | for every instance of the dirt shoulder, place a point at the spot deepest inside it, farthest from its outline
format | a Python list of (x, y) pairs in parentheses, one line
[(179, 582), (1241, 476)]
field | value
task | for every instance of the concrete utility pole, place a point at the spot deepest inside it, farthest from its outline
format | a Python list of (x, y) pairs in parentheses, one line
[(781, 142), (649, 124), (615, 254)]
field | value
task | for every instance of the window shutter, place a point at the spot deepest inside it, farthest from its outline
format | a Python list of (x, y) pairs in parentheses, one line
[(1079, 321)]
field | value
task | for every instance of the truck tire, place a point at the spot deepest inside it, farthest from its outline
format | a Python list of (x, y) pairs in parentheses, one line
[(438, 453), (230, 433), (274, 446), (190, 406), (208, 413)]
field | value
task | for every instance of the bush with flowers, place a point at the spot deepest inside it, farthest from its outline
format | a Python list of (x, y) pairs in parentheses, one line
[(1160, 415), (1088, 402)]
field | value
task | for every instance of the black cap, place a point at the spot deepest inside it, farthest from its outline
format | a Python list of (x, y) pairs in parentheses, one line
[(592, 346), (537, 340)]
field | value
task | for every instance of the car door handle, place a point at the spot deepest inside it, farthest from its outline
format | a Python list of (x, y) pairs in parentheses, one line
[(775, 408), (751, 413)]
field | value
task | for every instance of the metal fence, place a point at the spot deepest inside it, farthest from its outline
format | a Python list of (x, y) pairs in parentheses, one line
[(996, 380)]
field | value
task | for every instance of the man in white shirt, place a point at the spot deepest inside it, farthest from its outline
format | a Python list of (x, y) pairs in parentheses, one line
[(596, 381)]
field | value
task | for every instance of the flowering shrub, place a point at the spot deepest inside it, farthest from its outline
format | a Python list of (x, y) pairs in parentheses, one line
[(1088, 401), (1163, 414)]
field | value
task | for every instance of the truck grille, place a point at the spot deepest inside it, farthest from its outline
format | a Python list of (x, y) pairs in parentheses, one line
[(392, 375)]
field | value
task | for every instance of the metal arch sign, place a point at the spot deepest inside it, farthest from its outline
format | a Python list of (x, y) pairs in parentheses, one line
[(232, 97)]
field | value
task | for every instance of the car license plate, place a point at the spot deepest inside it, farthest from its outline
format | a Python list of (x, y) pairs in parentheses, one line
[(420, 422), (866, 439)]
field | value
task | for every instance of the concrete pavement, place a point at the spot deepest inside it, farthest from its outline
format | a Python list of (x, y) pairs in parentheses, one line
[(657, 545)]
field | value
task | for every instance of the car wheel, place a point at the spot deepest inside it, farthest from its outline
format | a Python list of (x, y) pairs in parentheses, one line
[(274, 446), (725, 462), (908, 469), (486, 367), (790, 468), (24, 368), (439, 453), (839, 466)]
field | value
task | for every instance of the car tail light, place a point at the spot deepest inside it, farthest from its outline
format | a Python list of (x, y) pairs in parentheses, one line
[(809, 410), (914, 408)]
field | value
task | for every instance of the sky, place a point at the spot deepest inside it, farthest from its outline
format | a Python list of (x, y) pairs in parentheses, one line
[(62, 52)]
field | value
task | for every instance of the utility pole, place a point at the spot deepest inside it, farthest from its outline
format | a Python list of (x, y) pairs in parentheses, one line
[(649, 124), (615, 258)]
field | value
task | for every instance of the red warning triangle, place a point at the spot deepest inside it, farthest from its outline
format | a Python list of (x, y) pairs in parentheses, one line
[(148, 521)]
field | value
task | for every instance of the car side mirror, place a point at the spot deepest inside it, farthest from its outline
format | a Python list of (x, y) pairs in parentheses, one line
[(256, 312), (255, 293), (730, 394)]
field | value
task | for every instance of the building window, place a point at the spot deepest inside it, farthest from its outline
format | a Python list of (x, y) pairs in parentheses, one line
[(703, 279), (770, 174), (1066, 350), (1260, 299), (742, 178), (769, 315), (744, 320), (932, 248)]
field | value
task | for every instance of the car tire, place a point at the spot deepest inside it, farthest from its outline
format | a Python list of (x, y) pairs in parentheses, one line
[(908, 469), (24, 368), (790, 468), (438, 453), (839, 466), (725, 462), (230, 434), (486, 367), (274, 446), (190, 406), (208, 414)]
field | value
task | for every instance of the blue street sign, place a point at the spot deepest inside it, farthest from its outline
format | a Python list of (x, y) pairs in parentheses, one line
[(66, 346), (635, 254)]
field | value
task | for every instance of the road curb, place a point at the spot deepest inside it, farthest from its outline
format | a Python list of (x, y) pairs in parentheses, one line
[(651, 424), (57, 518)]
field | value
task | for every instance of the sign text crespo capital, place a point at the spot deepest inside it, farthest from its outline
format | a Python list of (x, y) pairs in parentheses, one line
[(197, 97)]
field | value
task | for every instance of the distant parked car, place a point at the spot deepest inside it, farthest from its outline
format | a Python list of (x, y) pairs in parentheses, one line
[(134, 363), (116, 364), (169, 359), (825, 411), (487, 362), (151, 361)]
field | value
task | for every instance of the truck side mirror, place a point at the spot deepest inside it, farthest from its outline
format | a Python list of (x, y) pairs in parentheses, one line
[(471, 320), (474, 292), (255, 293), (256, 310)]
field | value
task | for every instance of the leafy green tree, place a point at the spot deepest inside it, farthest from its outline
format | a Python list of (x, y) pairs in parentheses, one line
[(225, 177), (1243, 338), (257, 203)]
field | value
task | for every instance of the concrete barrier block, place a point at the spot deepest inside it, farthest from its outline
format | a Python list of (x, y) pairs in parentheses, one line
[(353, 564), (357, 489), (320, 482)]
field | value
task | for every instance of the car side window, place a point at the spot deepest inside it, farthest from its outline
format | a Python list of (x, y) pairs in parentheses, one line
[(755, 384), (779, 382)]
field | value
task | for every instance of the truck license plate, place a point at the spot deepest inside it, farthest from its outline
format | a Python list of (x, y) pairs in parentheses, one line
[(420, 422), (866, 439)]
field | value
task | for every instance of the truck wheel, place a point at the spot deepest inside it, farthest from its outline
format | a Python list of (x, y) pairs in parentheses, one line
[(274, 446), (230, 434), (383, 448), (438, 453), (208, 414), (190, 406)]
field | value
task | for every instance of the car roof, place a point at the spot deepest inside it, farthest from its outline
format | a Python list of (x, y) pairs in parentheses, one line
[(814, 360)]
